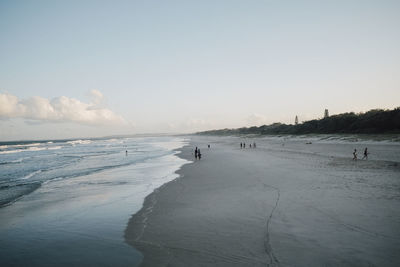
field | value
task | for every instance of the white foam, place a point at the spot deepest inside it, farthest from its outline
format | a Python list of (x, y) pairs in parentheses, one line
[(80, 142), (11, 151), (32, 148), (17, 160), (31, 174), (25, 145), (54, 147)]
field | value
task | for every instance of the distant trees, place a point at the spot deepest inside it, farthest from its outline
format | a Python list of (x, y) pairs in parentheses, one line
[(375, 121)]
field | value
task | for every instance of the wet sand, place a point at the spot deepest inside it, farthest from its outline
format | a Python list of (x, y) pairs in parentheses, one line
[(276, 205)]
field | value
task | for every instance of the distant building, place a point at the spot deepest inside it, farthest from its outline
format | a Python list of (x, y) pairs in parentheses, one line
[(296, 120), (326, 114)]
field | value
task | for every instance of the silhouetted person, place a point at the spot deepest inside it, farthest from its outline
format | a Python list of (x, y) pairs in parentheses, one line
[(365, 153), (244, 145), (254, 145), (241, 145), (199, 154), (126, 153), (355, 154), (208, 146), (250, 145), (196, 151)]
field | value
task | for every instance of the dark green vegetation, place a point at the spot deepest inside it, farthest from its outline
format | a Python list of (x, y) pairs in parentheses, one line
[(375, 121)]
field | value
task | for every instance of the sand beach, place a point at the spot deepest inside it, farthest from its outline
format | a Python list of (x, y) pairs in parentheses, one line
[(288, 202)]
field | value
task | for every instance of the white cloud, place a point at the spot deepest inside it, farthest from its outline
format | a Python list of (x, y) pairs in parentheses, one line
[(194, 123), (97, 98), (187, 125), (60, 109), (256, 120)]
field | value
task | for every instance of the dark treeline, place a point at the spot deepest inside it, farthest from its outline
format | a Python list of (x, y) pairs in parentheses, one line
[(375, 121)]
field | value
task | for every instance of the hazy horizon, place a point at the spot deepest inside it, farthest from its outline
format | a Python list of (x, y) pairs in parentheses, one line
[(96, 68), (148, 134)]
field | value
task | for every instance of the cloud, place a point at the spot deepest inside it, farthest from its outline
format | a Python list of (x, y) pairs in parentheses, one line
[(97, 99), (59, 109), (194, 123), (256, 119), (187, 125)]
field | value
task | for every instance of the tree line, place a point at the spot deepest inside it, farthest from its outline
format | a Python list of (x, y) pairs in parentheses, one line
[(376, 121)]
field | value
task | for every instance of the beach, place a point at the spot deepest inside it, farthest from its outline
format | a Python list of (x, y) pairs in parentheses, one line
[(287, 202)]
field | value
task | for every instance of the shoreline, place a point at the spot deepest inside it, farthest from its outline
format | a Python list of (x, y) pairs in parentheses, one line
[(171, 250), (270, 206), (133, 233)]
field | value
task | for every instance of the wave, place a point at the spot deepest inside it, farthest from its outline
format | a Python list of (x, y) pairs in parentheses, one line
[(79, 142), (31, 174), (31, 148), (93, 170), (11, 193), (20, 145), (54, 147), (14, 161), (11, 151), (63, 166)]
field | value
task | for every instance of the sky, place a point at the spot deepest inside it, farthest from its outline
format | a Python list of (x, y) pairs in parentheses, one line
[(71, 69)]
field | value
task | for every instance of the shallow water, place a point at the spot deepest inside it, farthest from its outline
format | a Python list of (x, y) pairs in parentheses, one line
[(68, 202)]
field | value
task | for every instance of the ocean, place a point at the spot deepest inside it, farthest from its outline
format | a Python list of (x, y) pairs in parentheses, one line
[(67, 202)]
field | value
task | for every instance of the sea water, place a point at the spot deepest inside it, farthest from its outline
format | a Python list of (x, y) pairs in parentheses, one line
[(67, 202)]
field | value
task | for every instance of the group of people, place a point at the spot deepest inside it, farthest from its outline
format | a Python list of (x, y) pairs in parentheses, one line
[(243, 145), (197, 153), (365, 154)]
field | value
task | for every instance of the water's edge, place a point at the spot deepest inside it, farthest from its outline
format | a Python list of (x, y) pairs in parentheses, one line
[(130, 235)]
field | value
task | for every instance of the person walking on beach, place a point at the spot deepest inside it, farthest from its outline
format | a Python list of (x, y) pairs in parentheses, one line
[(244, 145), (126, 152), (241, 145), (254, 145), (196, 151), (208, 146), (365, 153), (199, 154), (355, 154)]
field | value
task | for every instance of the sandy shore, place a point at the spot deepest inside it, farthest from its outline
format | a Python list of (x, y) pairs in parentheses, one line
[(276, 205)]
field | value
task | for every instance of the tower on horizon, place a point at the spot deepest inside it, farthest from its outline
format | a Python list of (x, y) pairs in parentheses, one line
[(326, 114), (296, 120)]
